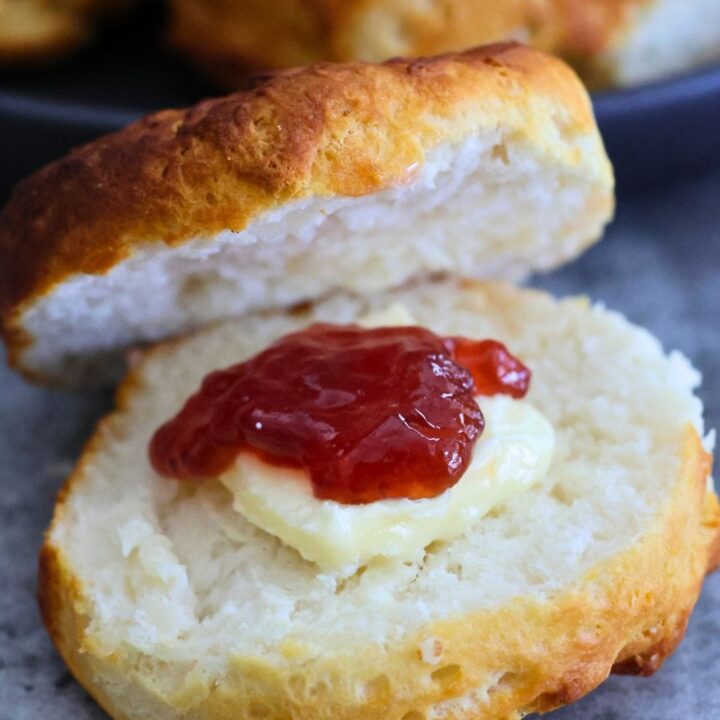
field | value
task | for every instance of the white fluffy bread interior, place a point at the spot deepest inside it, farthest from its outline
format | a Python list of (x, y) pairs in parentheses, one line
[(170, 575), (464, 197), (664, 37)]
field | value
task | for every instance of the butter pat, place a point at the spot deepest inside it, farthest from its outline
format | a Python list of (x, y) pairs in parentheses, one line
[(513, 453)]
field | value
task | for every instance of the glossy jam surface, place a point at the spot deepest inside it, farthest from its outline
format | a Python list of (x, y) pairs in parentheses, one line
[(370, 413), (494, 370)]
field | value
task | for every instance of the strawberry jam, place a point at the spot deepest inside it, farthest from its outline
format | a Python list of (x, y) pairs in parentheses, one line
[(369, 413)]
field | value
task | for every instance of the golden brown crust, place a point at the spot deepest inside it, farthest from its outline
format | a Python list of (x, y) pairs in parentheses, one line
[(225, 36), (626, 614), (324, 130), (711, 528)]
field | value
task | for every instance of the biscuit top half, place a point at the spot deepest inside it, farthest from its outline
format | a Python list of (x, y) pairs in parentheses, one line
[(346, 178)]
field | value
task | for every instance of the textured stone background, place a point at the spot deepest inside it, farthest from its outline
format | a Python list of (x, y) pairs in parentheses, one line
[(659, 264)]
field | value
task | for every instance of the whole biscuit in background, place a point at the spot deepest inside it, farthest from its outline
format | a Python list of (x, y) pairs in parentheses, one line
[(34, 31), (610, 42)]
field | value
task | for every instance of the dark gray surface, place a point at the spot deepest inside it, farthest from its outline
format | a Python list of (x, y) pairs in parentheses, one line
[(660, 265)]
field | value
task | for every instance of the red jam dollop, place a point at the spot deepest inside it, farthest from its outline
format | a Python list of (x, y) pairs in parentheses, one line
[(369, 413)]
